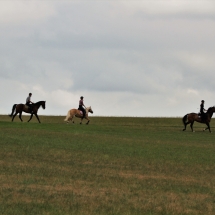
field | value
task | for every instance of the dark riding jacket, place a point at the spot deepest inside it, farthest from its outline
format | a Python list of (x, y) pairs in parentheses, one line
[(202, 108)]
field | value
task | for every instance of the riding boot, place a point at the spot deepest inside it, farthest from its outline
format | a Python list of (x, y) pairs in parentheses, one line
[(83, 115)]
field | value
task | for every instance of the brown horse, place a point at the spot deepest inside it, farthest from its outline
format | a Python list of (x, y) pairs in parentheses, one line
[(191, 117), (19, 108), (75, 112)]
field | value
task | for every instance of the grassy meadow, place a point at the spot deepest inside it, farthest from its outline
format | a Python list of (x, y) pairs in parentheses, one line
[(114, 165)]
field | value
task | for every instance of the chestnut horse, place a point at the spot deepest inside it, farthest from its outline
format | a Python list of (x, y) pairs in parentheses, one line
[(191, 117), (22, 107), (75, 112)]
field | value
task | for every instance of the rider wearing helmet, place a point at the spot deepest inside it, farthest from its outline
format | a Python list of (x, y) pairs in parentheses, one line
[(81, 104)]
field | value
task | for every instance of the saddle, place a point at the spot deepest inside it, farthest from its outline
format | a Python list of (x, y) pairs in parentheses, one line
[(28, 108), (80, 111), (203, 116)]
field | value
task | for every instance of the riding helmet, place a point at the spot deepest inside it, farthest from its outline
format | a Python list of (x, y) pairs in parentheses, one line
[(203, 101), (81, 97)]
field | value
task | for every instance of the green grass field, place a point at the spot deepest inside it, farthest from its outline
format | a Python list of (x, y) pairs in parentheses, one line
[(114, 165)]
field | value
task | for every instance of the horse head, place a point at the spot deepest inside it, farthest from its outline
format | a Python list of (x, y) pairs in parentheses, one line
[(213, 108), (44, 104), (90, 109)]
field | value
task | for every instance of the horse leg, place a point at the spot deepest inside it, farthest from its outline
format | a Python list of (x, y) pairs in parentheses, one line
[(20, 116), (185, 125), (208, 126), (14, 116), (70, 119), (191, 126), (205, 129), (37, 117), (87, 119), (30, 117)]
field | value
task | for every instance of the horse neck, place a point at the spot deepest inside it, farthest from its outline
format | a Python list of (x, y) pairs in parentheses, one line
[(38, 104), (210, 112), (87, 110)]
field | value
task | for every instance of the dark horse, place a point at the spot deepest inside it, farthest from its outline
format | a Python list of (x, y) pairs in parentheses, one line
[(191, 117), (22, 107)]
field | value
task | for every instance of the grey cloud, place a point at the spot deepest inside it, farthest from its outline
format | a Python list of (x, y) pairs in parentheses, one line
[(101, 49)]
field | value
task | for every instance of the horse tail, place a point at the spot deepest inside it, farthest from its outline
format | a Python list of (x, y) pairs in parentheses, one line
[(184, 119), (68, 116), (13, 109)]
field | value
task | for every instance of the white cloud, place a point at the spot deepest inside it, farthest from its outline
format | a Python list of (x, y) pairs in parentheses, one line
[(24, 12), (127, 58), (192, 91), (171, 7), (199, 61)]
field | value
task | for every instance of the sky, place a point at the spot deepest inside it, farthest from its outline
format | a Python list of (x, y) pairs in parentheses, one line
[(127, 58)]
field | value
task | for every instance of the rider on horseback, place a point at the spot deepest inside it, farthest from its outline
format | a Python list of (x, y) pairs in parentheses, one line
[(29, 103), (81, 104), (202, 109)]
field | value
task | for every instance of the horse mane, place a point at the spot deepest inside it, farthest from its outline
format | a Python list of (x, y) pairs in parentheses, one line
[(39, 102), (209, 109)]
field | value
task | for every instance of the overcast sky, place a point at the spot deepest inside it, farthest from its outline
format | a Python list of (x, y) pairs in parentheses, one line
[(127, 58)]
